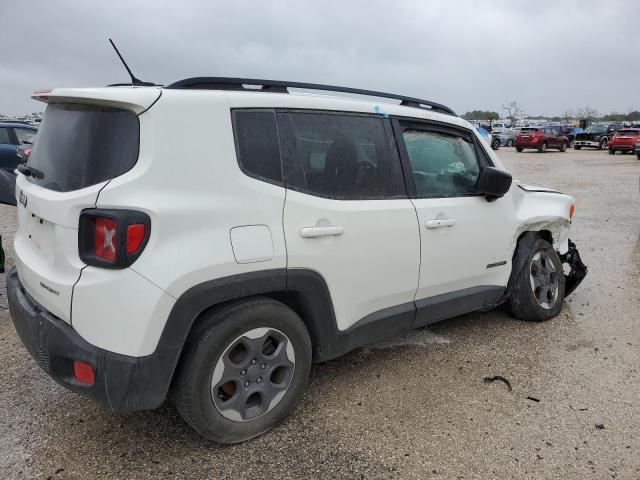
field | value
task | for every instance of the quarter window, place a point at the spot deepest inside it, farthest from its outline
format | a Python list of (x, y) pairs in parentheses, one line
[(257, 144), (443, 164), (25, 136), (339, 156)]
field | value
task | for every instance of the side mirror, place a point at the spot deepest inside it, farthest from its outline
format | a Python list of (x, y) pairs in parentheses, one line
[(493, 183)]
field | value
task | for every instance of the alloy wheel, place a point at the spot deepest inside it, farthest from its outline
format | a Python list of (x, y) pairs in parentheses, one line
[(544, 280)]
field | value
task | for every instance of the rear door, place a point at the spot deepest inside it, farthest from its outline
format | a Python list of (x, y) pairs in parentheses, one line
[(8, 151), (347, 215), (79, 149), (465, 240)]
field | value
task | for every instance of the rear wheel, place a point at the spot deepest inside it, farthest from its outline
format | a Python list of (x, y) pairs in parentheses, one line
[(603, 144), (577, 147), (563, 147), (638, 156), (518, 149), (509, 143), (543, 147), (538, 288), (244, 369), (495, 143)]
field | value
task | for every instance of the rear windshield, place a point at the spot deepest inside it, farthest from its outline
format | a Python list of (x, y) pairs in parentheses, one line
[(529, 130), (82, 145), (628, 132)]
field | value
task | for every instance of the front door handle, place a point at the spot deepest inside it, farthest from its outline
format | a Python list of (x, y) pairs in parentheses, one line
[(315, 232), (438, 223)]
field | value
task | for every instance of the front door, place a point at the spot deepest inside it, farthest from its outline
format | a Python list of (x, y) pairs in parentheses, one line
[(347, 215), (466, 241)]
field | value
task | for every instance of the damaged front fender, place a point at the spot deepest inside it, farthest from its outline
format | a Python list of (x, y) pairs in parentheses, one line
[(578, 270)]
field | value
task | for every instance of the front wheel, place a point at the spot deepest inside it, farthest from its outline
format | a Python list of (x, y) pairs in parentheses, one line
[(542, 148), (603, 144), (244, 369), (537, 290), (495, 143), (509, 143), (563, 147)]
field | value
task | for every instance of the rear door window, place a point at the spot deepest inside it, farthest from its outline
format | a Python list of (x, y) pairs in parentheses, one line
[(341, 156), (83, 145), (5, 138)]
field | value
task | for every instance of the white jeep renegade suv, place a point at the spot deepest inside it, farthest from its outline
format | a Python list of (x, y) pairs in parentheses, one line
[(208, 240)]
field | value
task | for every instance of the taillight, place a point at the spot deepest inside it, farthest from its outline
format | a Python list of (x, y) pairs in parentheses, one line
[(112, 238)]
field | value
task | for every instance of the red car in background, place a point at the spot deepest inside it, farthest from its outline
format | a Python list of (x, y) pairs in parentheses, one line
[(541, 138), (624, 140)]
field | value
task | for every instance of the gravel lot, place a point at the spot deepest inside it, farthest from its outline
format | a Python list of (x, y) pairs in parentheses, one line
[(413, 407)]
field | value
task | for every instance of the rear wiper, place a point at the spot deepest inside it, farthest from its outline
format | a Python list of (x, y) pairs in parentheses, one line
[(30, 171)]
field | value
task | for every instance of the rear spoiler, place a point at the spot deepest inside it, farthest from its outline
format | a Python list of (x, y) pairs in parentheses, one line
[(137, 99)]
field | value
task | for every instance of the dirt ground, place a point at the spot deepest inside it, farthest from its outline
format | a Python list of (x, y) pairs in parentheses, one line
[(413, 407)]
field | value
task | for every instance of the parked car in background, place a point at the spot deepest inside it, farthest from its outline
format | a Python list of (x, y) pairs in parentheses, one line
[(494, 143), (12, 136), (506, 136), (624, 141), (541, 138), (637, 149), (595, 136)]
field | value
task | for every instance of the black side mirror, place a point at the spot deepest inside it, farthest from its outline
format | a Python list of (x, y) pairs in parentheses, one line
[(493, 182)]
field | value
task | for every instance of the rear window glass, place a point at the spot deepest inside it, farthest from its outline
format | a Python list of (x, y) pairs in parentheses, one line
[(83, 145), (528, 130), (628, 132)]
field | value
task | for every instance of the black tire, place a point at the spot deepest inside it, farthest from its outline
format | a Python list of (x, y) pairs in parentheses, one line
[(509, 143), (212, 339), (577, 147), (543, 147), (612, 151), (638, 156), (604, 144), (495, 144), (563, 147), (518, 149), (524, 302)]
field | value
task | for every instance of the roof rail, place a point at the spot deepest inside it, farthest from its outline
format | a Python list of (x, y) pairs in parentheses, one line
[(229, 83)]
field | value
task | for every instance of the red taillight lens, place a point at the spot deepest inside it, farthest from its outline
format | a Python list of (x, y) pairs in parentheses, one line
[(83, 372), (135, 237), (105, 239), (112, 238), (27, 152)]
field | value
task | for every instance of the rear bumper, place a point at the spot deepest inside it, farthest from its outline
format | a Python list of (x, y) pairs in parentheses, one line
[(522, 144), (622, 148), (121, 383)]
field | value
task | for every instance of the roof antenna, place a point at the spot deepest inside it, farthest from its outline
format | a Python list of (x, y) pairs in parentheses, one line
[(134, 81)]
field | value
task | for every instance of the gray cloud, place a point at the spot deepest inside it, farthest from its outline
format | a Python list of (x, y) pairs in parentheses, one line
[(549, 56)]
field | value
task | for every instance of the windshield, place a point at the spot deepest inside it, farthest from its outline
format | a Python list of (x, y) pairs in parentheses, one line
[(82, 145)]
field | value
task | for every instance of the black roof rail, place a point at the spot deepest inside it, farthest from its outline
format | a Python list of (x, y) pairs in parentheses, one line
[(229, 83)]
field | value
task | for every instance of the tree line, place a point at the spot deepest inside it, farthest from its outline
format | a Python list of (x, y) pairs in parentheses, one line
[(513, 112)]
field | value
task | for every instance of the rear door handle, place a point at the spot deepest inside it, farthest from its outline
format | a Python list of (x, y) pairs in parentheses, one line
[(437, 223), (315, 232)]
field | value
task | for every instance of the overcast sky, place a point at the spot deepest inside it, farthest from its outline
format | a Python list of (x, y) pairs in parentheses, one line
[(549, 55)]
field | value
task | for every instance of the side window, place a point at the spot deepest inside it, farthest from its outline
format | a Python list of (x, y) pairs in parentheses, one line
[(25, 136), (339, 156), (4, 136), (443, 164), (257, 146)]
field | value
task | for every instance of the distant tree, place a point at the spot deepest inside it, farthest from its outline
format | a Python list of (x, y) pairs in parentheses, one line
[(614, 117), (513, 111), (568, 116), (481, 115), (588, 113), (633, 116)]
